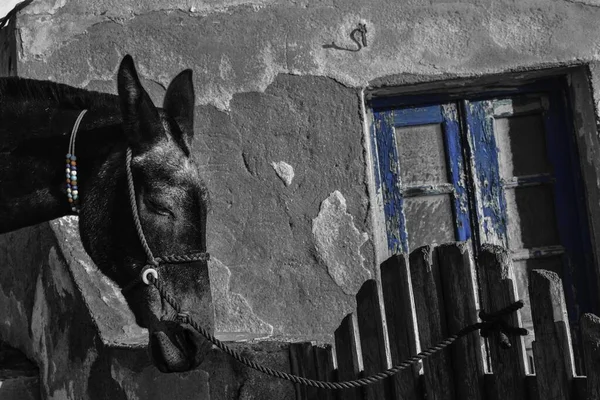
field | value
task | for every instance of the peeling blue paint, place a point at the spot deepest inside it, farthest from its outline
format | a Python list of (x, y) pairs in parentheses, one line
[(383, 133), (479, 119), (454, 157), (418, 116), (393, 189)]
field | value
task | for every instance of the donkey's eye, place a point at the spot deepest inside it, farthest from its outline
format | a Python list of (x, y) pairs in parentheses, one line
[(158, 208)]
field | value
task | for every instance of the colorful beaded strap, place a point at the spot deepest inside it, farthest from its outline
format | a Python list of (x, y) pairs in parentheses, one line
[(72, 187)]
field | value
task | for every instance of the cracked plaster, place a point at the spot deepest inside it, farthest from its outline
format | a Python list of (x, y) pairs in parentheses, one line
[(338, 243), (233, 313), (284, 171)]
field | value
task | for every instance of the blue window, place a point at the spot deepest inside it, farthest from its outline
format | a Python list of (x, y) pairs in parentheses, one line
[(500, 168)]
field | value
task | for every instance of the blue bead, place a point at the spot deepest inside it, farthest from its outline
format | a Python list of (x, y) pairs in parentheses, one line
[(68, 176), (74, 187), (69, 195), (74, 177), (69, 185), (73, 158), (68, 165), (68, 155), (73, 167)]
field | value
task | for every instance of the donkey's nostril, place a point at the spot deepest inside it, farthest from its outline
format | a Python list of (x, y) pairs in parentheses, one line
[(169, 356)]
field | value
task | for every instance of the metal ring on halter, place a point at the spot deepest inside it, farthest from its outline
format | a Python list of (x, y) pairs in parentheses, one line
[(145, 274)]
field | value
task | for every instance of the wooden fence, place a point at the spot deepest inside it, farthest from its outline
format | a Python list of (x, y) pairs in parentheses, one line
[(439, 282)]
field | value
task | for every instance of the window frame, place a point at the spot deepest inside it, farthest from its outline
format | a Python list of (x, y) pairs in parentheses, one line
[(556, 87)]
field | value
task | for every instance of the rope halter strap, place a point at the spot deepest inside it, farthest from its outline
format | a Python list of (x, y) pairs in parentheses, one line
[(149, 273)]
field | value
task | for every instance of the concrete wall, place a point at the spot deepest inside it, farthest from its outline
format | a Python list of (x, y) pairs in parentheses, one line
[(294, 226)]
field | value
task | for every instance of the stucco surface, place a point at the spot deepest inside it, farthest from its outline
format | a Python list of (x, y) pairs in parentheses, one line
[(275, 88), (240, 46)]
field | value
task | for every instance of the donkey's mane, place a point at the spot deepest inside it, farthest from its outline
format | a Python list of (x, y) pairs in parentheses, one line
[(52, 94)]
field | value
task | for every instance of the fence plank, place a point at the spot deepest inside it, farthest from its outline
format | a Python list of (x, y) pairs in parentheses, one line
[(325, 370), (303, 364), (580, 388), (498, 291), (455, 266), (397, 299), (347, 356), (590, 331), (532, 387), (552, 349), (372, 340), (431, 322)]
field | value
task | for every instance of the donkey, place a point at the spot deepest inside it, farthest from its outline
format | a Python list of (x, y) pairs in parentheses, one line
[(36, 119)]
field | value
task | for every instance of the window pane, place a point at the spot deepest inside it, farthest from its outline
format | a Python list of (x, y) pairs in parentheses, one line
[(422, 155), (522, 270), (531, 218), (522, 145), (429, 220)]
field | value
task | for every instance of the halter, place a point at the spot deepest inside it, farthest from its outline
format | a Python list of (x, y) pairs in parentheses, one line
[(149, 272)]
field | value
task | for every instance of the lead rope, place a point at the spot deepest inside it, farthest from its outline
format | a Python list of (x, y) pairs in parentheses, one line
[(492, 322)]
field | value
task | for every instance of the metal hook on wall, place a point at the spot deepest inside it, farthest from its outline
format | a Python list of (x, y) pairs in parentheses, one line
[(360, 31)]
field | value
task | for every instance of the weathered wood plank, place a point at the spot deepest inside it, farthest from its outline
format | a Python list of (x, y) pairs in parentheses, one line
[(347, 356), (456, 266), (552, 350), (532, 388), (369, 316), (580, 388), (397, 300), (498, 291), (431, 321), (590, 332), (303, 364), (325, 370)]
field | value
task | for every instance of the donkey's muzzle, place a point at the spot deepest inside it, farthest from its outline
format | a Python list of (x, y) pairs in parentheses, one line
[(177, 347)]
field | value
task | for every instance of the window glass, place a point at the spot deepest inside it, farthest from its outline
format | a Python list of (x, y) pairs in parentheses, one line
[(521, 145), (422, 155), (429, 220)]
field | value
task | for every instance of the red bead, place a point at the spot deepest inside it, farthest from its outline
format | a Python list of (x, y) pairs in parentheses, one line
[(68, 180)]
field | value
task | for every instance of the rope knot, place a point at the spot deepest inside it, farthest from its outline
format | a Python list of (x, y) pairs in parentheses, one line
[(495, 322)]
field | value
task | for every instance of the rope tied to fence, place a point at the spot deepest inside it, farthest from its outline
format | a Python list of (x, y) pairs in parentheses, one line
[(491, 322)]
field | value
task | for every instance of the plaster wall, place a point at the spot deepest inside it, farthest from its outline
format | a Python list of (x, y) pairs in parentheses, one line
[(279, 118)]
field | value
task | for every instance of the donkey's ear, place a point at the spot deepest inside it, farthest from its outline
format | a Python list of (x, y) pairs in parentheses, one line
[(140, 117), (179, 102)]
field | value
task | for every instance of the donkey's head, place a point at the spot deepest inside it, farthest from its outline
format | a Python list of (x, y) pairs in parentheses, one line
[(172, 204)]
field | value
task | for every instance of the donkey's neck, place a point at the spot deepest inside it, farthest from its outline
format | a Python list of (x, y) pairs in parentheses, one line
[(32, 161)]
